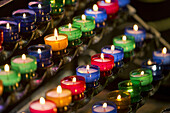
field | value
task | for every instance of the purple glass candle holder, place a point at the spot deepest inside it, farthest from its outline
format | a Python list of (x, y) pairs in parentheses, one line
[(43, 53)]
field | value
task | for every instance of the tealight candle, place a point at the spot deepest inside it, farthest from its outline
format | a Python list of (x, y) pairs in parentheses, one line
[(43, 53), (127, 43), (91, 73), (74, 34), (138, 32), (42, 106), (10, 30), (155, 66), (86, 23), (105, 62), (57, 41), (133, 87), (25, 18), (76, 84), (111, 7), (26, 65), (10, 78), (42, 10), (115, 51), (121, 99), (123, 3), (99, 15), (60, 96), (143, 75), (104, 107)]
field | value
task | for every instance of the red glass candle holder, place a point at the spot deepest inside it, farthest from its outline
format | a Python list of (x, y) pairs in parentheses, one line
[(76, 84), (1, 39), (106, 64)]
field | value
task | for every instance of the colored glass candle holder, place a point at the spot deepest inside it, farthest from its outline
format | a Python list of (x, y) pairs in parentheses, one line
[(70, 2), (10, 78), (155, 66), (144, 75), (42, 106), (127, 43), (26, 19), (1, 39), (99, 15), (76, 84), (43, 54), (61, 97), (111, 7), (121, 99), (1, 87), (115, 51), (42, 10), (133, 87), (123, 3), (74, 34), (25, 64), (104, 107), (10, 30), (138, 32), (86, 23), (91, 73), (57, 7), (105, 62)]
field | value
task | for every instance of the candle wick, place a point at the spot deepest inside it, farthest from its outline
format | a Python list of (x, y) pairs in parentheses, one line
[(104, 109), (42, 106)]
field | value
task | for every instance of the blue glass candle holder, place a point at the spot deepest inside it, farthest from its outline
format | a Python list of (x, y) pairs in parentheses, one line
[(25, 18), (91, 73), (100, 16), (117, 53), (139, 35), (42, 10), (10, 30), (104, 107), (43, 56), (155, 66), (123, 3)]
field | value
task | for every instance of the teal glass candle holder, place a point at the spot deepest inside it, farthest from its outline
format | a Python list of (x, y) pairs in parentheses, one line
[(24, 66), (74, 34), (127, 43), (133, 87), (144, 75)]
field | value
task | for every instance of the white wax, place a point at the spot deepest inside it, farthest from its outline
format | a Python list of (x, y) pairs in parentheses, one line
[(53, 38), (102, 60), (105, 4), (2, 73), (93, 12), (83, 21), (68, 29), (54, 93), (100, 109), (70, 82), (47, 106), (138, 75), (84, 70), (161, 54), (20, 61), (134, 32), (122, 42), (109, 51)]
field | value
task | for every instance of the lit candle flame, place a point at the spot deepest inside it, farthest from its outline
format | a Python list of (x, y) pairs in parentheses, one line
[(102, 56), (23, 57), (135, 27), (24, 15), (124, 38), (142, 73), (83, 17), (39, 51), (6, 68), (39, 6), (87, 67), (7, 26), (55, 33), (112, 47), (42, 101), (119, 98), (69, 26), (149, 62), (164, 50), (104, 105), (74, 79), (95, 7), (59, 89), (107, 1)]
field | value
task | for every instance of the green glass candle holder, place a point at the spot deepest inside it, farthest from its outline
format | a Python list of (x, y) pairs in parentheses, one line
[(74, 34), (133, 87), (56, 10), (87, 26), (144, 76), (59, 3), (70, 2), (25, 67), (128, 44)]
